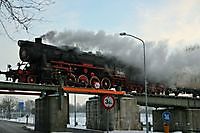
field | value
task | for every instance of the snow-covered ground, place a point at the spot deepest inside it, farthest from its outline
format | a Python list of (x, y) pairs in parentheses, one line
[(31, 119), (81, 120)]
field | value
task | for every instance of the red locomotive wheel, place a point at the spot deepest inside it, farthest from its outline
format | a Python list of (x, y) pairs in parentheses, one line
[(71, 79), (105, 83), (95, 82), (31, 79), (83, 80)]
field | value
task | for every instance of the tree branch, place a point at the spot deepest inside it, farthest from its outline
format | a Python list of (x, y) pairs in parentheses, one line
[(21, 13)]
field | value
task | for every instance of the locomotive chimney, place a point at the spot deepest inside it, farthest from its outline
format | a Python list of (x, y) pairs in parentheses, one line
[(38, 40)]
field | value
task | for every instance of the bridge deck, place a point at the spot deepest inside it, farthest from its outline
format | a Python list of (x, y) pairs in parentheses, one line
[(153, 100), (36, 87), (27, 87), (167, 101)]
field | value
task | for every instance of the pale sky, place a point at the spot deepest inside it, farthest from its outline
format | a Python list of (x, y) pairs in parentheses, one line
[(177, 21)]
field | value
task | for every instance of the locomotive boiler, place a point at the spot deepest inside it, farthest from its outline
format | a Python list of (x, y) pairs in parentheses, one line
[(37, 52)]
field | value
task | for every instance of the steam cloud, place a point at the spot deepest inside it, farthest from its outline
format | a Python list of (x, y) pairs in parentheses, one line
[(164, 64)]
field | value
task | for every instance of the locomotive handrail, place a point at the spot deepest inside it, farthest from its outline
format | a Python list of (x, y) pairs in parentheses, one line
[(72, 64)]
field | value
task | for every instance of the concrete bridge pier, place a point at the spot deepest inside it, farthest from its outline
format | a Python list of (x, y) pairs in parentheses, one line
[(185, 120), (124, 115), (51, 113)]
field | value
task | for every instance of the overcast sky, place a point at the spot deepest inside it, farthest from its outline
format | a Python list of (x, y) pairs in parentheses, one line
[(175, 21)]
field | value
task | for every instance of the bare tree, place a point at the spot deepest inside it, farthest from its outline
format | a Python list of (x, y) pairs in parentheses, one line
[(21, 13), (8, 104)]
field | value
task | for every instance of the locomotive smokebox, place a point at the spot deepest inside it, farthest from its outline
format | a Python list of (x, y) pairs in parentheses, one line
[(38, 40)]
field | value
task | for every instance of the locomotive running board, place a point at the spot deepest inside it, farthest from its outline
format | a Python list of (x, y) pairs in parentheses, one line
[(92, 91)]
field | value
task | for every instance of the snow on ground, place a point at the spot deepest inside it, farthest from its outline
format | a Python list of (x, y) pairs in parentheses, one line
[(31, 119), (30, 127), (81, 120)]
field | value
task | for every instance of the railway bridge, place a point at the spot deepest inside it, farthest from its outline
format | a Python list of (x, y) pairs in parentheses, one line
[(153, 100), (185, 110), (167, 101)]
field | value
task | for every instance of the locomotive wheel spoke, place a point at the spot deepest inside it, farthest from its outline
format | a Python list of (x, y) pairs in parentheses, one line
[(105, 83), (95, 82), (83, 80), (71, 79)]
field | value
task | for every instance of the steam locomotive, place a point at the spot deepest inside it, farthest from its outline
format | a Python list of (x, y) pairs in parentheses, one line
[(47, 64), (42, 63)]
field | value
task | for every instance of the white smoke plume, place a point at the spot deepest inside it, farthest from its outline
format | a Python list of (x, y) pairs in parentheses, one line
[(164, 64)]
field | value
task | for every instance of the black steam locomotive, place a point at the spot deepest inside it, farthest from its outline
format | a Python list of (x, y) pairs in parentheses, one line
[(47, 64)]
